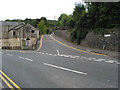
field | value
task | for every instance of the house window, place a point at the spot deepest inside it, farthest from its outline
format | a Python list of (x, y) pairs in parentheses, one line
[(33, 31), (14, 33)]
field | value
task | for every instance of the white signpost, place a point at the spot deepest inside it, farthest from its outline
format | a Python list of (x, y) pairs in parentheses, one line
[(107, 35)]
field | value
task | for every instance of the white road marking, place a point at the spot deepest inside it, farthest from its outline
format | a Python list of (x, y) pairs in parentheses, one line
[(46, 53), (77, 57), (82, 57), (118, 63), (42, 53), (66, 55), (50, 54), (9, 54), (89, 58), (110, 61), (66, 69), (63, 55), (29, 59), (38, 52), (58, 53), (21, 57), (72, 57), (99, 60), (26, 58), (54, 55)]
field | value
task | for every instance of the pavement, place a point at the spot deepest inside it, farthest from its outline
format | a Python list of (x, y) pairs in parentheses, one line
[(58, 65)]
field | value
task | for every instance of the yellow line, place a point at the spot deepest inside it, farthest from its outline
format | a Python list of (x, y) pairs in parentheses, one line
[(7, 82), (76, 48), (40, 43), (11, 81)]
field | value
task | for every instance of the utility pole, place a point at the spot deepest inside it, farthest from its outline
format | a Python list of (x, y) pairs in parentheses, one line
[(54, 22)]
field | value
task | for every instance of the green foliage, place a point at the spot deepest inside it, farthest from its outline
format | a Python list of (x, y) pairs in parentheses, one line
[(41, 26), (96, 16), (73, 35), (65, 21)]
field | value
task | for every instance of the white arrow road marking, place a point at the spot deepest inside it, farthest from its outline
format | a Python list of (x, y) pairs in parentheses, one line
[(66, 69), (58, 53)]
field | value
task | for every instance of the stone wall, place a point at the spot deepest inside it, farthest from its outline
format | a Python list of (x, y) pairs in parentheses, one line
[(99, 41), (63, 33), (95, 40)]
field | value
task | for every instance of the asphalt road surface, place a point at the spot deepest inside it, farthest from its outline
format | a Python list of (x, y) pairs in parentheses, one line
[(58, 66)]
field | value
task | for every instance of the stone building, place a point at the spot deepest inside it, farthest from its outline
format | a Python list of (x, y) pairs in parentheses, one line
[(18, 36)]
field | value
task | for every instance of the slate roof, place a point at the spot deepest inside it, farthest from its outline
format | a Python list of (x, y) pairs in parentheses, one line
[(10, 23), (22, 25)]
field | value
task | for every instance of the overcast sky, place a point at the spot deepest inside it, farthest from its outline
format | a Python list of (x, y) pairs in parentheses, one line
[(21, 9)]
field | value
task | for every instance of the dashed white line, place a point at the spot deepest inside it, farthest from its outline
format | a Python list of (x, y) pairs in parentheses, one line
[(9, 54), (118, 63), (66, 69), (54, 55), (78, 57), (42, 53), (110, 61), (99, 60), (72, 57), (46, 53), (29, 59), (50, 54), (83, 57), (21, 57), (26, 58)]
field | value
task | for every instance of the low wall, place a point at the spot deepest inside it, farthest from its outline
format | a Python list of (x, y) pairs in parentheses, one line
[(99, 41), (95, 40), (63, 33)]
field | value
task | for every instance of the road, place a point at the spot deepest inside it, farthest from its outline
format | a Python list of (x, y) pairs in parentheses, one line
[(55, 65)]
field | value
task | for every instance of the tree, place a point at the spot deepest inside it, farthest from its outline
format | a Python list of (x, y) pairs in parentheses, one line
[(41, 26), (80, 19), (63, 20)]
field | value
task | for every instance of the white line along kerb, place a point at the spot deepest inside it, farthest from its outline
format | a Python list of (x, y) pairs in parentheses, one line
[(65, 69)]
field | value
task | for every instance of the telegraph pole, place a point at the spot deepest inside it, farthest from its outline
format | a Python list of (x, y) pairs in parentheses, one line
[(54, 22)]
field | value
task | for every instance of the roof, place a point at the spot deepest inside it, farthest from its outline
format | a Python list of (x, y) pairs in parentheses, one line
[(31, 27), (10, 23), (17, 27), (22, 25)]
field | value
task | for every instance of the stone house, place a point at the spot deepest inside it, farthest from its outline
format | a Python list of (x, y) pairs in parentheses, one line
[(17, 36)]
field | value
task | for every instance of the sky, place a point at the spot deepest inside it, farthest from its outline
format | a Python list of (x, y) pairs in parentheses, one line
[(21, 9)]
